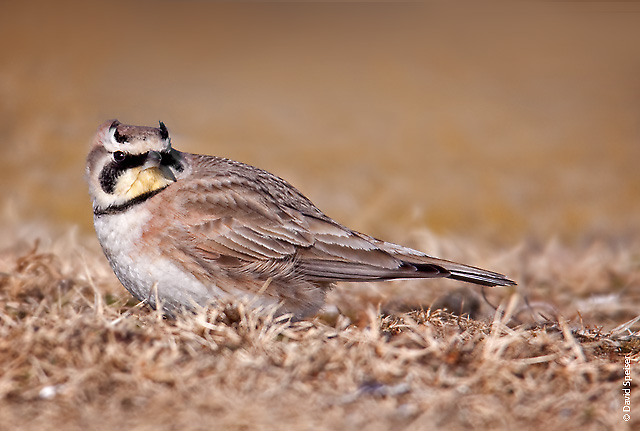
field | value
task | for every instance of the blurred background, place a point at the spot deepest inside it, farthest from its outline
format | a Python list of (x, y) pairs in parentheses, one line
[(496, 123)]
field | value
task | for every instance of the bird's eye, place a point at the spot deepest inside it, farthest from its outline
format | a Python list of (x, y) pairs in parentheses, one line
[(118, 156)]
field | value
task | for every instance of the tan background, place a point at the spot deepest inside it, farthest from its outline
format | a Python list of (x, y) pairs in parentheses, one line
[(495, 122)]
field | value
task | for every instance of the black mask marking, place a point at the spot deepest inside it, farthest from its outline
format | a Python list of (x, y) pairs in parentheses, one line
[(112, 170)]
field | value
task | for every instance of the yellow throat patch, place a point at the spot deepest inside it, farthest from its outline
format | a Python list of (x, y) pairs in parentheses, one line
[(135, 182)]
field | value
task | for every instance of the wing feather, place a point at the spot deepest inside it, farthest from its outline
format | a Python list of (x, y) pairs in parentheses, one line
[(240, 224)]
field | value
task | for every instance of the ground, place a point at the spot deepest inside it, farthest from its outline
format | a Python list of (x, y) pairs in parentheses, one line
[(78, 353)]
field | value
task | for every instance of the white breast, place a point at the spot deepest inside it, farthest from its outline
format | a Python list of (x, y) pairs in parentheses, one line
[(141, 270)]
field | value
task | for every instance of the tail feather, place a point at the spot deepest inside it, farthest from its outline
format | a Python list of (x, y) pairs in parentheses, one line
[(458, 271), (429, 267), (392, 261), (485, 279)]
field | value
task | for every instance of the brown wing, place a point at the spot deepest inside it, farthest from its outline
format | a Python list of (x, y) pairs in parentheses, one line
[(236, 225), (237, 222)]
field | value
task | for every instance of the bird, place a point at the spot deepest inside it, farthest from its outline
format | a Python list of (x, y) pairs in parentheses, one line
[(183, 231)]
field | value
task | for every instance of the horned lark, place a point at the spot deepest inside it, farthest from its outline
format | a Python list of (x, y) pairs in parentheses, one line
[(192, 229)]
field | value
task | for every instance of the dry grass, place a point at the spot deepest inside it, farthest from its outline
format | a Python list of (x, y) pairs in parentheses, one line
[(75, 354)]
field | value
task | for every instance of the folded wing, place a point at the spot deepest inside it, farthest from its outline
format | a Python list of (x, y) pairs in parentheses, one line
[(251, 232)]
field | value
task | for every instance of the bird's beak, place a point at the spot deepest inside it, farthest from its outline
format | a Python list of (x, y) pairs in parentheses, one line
[(154, 162)]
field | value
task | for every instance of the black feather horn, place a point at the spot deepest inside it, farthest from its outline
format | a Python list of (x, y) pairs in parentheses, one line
[(116, 135), (164, 133)]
